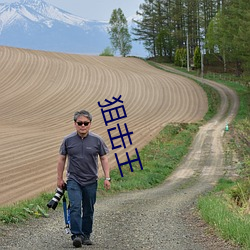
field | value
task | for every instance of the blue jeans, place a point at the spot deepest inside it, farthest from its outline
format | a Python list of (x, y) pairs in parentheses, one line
[(82, 200)]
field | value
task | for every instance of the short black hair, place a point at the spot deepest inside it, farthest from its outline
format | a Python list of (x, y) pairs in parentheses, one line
[(82, 113)]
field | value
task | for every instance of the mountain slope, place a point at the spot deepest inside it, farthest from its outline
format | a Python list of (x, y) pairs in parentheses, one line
[(35, 24)]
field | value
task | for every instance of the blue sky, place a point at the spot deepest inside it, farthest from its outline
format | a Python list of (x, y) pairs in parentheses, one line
[(100, 10)]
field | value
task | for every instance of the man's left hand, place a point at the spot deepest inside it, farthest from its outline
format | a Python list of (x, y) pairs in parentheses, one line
[(106, 184)]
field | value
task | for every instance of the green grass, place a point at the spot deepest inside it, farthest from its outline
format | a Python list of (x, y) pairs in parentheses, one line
[(213, 100), (25, 210), (159, 158), (244, 94), (227, 77), (217, 212), (212, 94)]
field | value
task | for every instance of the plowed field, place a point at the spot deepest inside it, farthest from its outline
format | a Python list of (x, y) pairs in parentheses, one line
[(40, 91)]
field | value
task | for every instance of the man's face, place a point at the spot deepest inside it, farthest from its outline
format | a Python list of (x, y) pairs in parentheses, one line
[(82, 125)]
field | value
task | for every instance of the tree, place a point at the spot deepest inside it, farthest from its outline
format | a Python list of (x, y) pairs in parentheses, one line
[(165, 24), (216, 39), (146, 26), (181, 57), (197, 58), (177, 58), (241, 36), (228, 34), (119, 34)]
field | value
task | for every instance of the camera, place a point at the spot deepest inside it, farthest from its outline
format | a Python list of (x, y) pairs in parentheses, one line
[(58, 195)]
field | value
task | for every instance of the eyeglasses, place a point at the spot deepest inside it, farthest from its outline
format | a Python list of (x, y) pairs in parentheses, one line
[(83, 123)]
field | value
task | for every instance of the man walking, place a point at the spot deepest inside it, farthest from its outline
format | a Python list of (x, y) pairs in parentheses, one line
[(81, 149)]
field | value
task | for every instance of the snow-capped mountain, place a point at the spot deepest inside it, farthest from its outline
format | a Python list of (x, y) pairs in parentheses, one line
[(36, 11), (36, 24)]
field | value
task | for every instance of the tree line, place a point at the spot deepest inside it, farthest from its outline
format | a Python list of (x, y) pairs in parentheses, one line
[(169, 29)]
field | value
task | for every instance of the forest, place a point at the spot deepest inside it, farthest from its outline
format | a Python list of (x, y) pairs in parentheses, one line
[(181, 31)]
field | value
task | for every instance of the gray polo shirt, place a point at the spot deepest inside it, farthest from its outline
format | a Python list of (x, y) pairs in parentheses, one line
[(83, 156)]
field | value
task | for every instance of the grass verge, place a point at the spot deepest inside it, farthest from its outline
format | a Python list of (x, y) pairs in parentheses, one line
[(25, 210), (227, 208), (159, 158), (216, 209)]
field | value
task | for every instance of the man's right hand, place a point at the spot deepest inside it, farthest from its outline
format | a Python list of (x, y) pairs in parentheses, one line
[(61, 184)]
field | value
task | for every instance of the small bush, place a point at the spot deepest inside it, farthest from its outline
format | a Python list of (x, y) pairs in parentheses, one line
[(107, 52)]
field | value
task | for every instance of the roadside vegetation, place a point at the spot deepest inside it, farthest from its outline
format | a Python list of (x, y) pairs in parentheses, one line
[(159, 158)]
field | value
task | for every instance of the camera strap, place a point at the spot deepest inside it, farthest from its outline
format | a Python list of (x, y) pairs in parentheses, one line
[(66, 212)]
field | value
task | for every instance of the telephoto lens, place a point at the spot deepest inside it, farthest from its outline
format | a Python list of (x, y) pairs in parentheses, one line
[(54, 201)]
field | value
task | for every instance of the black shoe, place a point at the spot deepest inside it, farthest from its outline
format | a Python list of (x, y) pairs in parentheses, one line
[(77, 241), (86, 240)]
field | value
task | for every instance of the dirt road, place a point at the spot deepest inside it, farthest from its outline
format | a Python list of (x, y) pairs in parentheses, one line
[(159, 218)]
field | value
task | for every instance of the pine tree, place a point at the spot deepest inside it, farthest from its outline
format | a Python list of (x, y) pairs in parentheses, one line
[(146, 26)]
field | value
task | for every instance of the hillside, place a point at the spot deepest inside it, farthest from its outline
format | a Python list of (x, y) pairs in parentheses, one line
[(40, 91)]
